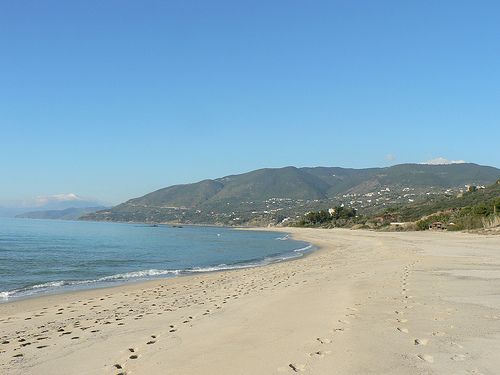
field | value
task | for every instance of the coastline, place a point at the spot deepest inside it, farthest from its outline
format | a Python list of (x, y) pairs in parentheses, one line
[(357, 304), (161, 267), (151, 282)]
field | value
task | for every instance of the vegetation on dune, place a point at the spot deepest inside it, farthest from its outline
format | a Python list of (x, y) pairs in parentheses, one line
[(481, 215), (478, 208), (484, 199), (335, 217)]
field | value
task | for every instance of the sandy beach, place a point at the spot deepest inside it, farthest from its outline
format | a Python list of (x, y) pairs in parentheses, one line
[(365, 303)]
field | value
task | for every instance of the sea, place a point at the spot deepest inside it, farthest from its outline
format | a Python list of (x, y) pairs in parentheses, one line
[(53, 256)]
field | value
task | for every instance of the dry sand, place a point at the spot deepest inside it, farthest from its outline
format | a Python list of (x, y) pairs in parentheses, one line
[(366, 303)]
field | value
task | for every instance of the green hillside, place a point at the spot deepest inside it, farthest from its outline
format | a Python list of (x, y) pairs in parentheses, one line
[(438, 175), (341, 180), (189, 195), (262, 184), (272, 194), (470, 206)]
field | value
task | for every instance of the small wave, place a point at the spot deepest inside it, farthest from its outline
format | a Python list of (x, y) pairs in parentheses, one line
[(284, 238), (274, 259), (138, 274), (119, 276), (302, 249), (220, 267), (6, 295), (51, 285)]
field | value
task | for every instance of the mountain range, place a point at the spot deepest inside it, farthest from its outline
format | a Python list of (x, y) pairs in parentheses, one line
[(267, 194), (47, 203), (71, 213)]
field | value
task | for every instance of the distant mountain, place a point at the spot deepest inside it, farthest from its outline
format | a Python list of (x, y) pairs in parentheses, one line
[(268, 193), (49, 203), (61, 202), (72, 213), (10, 211)]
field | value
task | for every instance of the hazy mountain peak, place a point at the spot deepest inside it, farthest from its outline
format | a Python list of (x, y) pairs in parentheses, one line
[(43, 200), (50, 202)]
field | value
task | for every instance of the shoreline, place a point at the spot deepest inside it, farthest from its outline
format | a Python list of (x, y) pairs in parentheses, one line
[(48, 288), (363, 303), (152, 281)]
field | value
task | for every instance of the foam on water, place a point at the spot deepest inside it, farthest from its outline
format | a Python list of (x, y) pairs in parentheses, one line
[(283, 238), (54, 285)]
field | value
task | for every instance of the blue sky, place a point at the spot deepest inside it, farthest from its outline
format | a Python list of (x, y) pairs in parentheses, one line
[(114, 99)]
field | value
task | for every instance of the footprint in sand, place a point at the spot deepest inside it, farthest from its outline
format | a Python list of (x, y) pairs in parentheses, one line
[(323, 340), (420, 342), (319, 353), (426, 357), (456, 344), (297, 367), (439, 334)]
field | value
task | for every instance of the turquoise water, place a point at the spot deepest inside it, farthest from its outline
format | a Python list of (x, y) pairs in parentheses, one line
[(47, 256)]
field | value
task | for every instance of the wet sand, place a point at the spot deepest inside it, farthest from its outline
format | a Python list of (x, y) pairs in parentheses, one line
[(366, 303)]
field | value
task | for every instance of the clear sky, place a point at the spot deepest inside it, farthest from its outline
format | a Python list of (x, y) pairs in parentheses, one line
[(114, 99)]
